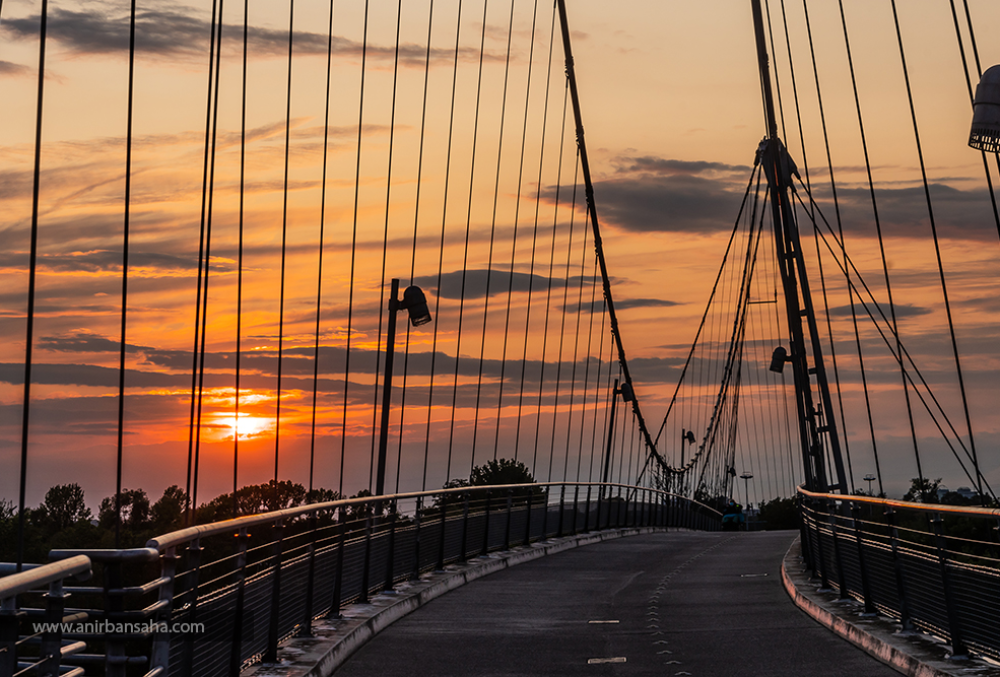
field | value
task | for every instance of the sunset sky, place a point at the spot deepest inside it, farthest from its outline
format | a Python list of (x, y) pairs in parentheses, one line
[(671, 106)]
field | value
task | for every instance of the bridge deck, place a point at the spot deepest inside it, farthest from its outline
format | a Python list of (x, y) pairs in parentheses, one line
[(686, 603)]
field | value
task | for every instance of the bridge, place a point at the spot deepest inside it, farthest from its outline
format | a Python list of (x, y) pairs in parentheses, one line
[(217, 214)]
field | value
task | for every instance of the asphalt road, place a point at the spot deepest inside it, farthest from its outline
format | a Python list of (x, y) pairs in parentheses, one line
[(683, 603)]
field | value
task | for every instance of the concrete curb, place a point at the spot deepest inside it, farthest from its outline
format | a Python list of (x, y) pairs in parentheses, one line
[(912, 653), (334, 640)]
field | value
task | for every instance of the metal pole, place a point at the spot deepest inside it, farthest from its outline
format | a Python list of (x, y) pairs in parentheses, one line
[(611, 436), (390, 345)]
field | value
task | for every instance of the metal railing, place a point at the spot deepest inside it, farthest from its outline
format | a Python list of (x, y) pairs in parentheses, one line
[(932, 567), (213, 599), (31, 640)]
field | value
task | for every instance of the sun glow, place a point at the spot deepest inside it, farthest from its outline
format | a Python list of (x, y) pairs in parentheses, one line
[(248, 426)]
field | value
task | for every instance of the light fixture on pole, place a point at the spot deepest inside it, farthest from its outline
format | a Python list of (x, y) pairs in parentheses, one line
[(415, 302), (746, 477), (869, 478), (985, 134)]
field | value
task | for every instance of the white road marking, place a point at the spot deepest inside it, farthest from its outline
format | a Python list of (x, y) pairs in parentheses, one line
[(600, 622), (595, 661)]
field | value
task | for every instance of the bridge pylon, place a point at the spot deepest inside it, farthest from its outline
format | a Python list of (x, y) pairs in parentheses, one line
[(817, 424)]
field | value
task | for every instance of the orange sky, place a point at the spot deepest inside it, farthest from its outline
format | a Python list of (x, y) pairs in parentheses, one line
[(672, 113)]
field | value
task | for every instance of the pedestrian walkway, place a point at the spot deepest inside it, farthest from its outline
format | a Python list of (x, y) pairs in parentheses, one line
[(654, 603)]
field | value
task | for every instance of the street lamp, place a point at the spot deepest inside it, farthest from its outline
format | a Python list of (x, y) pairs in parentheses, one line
[(415, 303), (746, 477), (869, 478)]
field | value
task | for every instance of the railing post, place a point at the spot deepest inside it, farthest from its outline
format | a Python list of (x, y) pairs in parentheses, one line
[(904, 607), (271, 651), (465, 526), (194, 568), (115, 642), (841, 576), (804, 540), (236, 651), (958, 648), (390, 565), (510, 507), (866, 586), (598, 516), (366, 566), (10, 626), (160, 655), (586, 514), (51, 649), (415, 574), (486, 527), (310, 580), (562, 509), (576, 505), (444, 527), (527, 520), (338, 576), (821, 556)]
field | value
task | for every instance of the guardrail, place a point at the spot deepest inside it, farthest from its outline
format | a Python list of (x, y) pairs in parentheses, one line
[(39, 651), (213, 599), (932, 567)]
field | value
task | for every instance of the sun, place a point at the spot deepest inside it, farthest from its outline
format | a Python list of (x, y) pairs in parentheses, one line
[(248, 425)]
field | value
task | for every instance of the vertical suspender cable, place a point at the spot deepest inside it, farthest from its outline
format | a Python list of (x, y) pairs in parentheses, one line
[(517, 210), (840, 226), (209, 191), (284, 247), (239, 258), (385, 231), (885, 265), (444, 224), (534, 241), (937, 251), (595, 225), (416, 223), (195, 351), (354, 242), (319, 262), (125, 243), (468, 230), (493, 226), (32, 272)]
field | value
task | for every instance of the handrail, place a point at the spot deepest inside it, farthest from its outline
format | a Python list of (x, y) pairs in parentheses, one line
[(904, 505), (31, 579), (175, 538)]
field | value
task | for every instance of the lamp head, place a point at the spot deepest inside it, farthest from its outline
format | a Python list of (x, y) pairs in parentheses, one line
[(985, 134), (778, 359), (416, 305), (627, 394)]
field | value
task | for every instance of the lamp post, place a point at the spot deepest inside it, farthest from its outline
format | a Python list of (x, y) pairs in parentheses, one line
[(415, 302), (611, 436), (746, 477), (869, 478)]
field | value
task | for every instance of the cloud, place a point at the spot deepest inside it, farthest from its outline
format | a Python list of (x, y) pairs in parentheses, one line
[(667, 167), (10, 68), (162, 31), (499, 282), (902, 310), (104, 260), (654, 194)]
